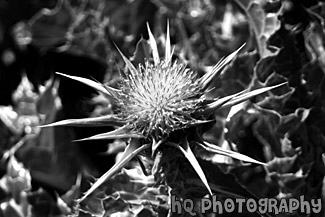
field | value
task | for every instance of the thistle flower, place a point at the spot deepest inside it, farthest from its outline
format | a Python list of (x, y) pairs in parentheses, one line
[(156, 99)]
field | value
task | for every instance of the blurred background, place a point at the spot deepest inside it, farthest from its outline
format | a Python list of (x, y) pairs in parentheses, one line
[(284, 42)]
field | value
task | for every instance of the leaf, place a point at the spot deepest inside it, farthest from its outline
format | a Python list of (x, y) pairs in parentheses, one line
[(96, 85), (265, 67), (281, 165), (130, 152), (130, 191), (71, 32), (42, 36), (186, 150), (255, 130), (106, 120), (289, 182), (263, 24), (119, 133)]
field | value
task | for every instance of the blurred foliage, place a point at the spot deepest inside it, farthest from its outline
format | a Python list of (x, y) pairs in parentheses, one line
[(43, 171)]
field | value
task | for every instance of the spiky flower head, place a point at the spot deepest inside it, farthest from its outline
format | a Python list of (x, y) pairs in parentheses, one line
[(156, 98), (160, 98)]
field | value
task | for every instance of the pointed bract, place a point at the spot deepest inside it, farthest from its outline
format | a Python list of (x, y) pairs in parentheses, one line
[(218, 150), (247, 95), (120, 133), (153, 45), (205, 80), (168, 52), (107, 120), (128, 64), (112, 91), (237, 98), (218, 103), (96, 85), (129, 153), (186, 150)]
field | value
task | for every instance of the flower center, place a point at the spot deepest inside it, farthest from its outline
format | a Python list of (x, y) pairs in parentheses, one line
[(159, 98)]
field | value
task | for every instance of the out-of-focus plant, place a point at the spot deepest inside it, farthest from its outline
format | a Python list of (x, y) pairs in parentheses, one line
[(25, 147)]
